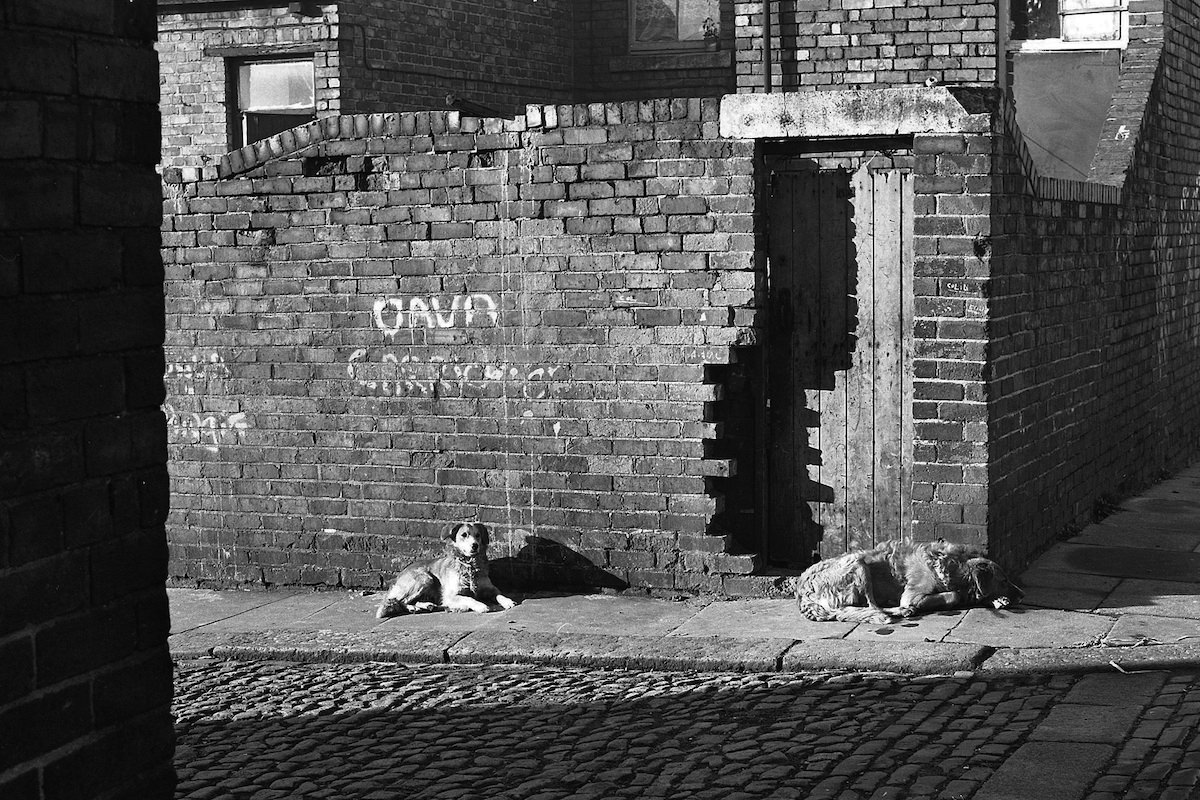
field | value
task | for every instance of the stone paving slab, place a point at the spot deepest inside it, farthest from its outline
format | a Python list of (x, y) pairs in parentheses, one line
[(1022, 661), (1039, 627), (900, 657), (760, 619), (416, 647), (599, 613), (1122, 562), (1080, 722), (928, 628), (1036, 772), (625, 652), (193, 608), (1135, 629), (1154, 598), (1069, 591), (1117, 689), (1134, 533)]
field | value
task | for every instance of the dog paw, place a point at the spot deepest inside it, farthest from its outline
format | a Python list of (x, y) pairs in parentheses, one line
[(504, 602)]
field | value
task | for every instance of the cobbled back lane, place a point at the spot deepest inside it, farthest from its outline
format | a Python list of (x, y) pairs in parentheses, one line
[(265, 730)]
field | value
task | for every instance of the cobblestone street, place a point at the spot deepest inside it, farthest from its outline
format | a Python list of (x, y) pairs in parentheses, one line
[(374, 731)]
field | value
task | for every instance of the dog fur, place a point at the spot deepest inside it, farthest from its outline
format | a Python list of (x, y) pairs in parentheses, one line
[(456, 581), (896, 580)]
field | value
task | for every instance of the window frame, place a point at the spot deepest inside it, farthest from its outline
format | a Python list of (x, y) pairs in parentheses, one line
[(678, 45), (1056, 44), (235, 112)]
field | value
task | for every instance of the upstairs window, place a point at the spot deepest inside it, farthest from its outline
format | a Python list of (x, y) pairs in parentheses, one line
[(673, 24), (272, 96), (1068, 24)]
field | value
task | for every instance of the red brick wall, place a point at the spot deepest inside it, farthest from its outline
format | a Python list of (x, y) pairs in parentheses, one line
[(85, 677), (457, 318), (843, 43)]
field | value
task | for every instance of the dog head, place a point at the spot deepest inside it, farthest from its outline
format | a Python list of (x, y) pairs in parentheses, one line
[(467, 539), (987, 584)]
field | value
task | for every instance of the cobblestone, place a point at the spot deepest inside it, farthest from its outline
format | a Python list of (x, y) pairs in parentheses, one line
[(381, 731)]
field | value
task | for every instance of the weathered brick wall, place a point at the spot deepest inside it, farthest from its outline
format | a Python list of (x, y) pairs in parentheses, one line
[(1095, 311), (842, 43), (499, 53), (85, 677), (606, 69), (193, 48), (446, 318)]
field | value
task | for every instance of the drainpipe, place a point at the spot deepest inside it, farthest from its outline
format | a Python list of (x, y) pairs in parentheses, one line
[(766, 51)]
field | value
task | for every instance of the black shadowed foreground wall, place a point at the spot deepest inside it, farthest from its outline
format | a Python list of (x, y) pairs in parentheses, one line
[(85, 676)]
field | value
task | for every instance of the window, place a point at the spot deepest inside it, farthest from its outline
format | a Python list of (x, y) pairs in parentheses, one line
[(1068, 24), (270, 97), (673, 24)]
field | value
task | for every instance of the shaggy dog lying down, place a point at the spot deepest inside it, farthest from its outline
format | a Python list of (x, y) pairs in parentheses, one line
[(898, 580)]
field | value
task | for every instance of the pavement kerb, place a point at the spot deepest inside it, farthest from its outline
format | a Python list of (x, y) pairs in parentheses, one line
[(680, 653)]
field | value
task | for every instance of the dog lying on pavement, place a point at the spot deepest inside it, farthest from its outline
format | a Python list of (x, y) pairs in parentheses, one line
[(456, 581), (896, 580)]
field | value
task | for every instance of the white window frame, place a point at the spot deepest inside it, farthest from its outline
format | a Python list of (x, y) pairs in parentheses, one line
[(1054, 45)]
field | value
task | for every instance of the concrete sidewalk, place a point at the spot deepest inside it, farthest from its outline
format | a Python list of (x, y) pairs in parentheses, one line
[(1124, 595)]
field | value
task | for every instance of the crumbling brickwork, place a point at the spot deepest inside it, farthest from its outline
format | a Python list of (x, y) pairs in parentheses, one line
[(85, 677), (445, 318)]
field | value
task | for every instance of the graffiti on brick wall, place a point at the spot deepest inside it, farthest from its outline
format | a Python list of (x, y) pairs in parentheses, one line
[(392, 375), (393, 314), (210, 430), (197, 369), (189, 380)]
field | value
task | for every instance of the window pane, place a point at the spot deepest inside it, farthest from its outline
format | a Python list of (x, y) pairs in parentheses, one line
[(673, 20), (1035, 19), (654, 21), (276, 86), (1100, 26), (692, 14)]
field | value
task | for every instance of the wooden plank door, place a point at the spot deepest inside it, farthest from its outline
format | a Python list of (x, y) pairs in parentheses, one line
[(840, 362)]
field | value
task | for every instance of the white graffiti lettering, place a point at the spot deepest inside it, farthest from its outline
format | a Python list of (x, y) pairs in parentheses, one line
[(198, 368), (392, 314), (408, 375), (210, 430)]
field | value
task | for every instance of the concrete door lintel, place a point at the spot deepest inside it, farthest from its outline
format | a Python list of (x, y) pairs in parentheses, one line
[(854, 113)]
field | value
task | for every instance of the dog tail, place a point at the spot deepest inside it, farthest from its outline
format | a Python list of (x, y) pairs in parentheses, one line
[(818, 612), (391, 607), (813, 610)]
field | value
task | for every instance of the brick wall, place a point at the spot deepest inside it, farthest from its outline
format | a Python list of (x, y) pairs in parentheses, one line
[(1095, 315), (499, 53), (86, 677), (842, 43), (440, 318)]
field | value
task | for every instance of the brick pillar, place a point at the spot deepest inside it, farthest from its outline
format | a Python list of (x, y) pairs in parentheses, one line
[(85, 675)]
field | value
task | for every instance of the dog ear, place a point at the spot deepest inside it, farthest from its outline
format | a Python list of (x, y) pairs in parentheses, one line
[(484, 534), (451, 531)]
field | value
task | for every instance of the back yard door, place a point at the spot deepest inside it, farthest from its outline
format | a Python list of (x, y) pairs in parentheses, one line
[(839, 442)]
